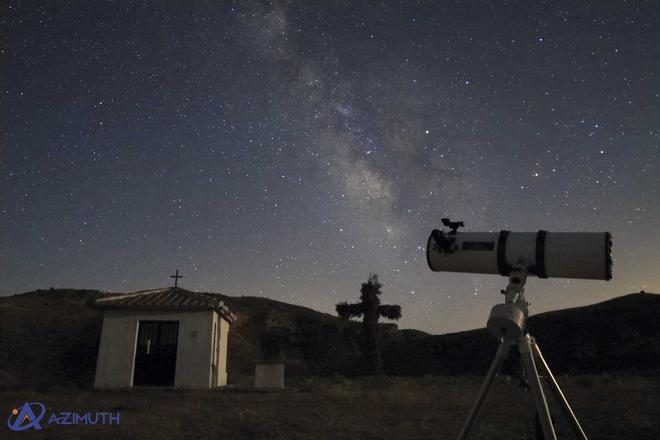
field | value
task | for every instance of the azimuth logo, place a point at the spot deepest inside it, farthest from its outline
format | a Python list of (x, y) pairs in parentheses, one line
[(29, 415), (26, 417)]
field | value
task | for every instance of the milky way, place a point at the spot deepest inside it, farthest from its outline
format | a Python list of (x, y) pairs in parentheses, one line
[(288, 149)]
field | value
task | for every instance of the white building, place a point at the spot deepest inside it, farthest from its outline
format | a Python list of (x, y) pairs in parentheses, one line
[(163, 337)]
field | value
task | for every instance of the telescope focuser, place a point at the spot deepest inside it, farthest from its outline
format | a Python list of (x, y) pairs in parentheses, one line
[(446, 241)]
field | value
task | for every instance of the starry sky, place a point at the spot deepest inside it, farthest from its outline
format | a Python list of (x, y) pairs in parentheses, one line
[(287, 149)]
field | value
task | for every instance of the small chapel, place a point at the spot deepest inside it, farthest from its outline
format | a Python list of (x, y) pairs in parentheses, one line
[(168, 337)]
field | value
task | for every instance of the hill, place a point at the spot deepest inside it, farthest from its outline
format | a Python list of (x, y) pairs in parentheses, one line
[(50, 337), (621, 335)]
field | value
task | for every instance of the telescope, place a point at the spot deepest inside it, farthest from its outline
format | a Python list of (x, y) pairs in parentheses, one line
[(516, 255), (582, 255)]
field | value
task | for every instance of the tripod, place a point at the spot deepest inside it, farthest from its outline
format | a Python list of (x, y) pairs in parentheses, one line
[(507, 323)]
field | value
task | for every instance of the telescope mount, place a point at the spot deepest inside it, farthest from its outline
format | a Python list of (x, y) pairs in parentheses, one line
[(507, 323)]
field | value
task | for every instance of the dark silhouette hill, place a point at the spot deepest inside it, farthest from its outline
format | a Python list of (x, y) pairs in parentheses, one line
[(621, 335), (50, 338)]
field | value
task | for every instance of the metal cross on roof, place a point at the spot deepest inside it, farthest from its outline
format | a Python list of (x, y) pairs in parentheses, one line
[(176, 277)]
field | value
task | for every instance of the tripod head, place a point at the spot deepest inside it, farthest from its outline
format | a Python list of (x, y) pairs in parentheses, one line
[(507, 321)]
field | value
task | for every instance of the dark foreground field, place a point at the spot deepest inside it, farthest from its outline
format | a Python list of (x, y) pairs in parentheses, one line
[(376, 408)]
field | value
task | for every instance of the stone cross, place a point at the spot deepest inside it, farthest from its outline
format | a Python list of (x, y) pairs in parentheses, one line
[(371, 308)]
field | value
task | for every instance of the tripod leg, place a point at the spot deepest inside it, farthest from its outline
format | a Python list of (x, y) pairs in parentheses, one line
[(524, 345), (501, 355), (558, 393)]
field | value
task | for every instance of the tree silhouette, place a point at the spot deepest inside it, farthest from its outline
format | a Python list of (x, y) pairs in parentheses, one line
[(370, 308)]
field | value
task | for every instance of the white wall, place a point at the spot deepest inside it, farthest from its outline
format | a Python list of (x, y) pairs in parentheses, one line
[(224, 337), (114, 367), (221, 349)]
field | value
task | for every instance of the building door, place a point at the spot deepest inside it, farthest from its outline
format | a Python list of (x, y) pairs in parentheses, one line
[(155, 353)]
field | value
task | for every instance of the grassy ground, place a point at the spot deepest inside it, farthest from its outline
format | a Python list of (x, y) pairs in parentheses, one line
[(370, 408)]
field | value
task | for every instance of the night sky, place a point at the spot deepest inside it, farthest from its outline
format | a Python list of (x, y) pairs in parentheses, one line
[(288, 149)]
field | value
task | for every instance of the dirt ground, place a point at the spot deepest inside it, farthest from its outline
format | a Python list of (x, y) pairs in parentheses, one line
[(367, 408)]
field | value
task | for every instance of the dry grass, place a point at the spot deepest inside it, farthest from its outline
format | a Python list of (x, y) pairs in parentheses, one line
[(368, 408)]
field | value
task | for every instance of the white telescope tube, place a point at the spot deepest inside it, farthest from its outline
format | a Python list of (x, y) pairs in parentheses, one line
[(582, 255)]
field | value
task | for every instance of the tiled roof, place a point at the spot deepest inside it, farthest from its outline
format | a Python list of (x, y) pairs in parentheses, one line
[(169, 298)]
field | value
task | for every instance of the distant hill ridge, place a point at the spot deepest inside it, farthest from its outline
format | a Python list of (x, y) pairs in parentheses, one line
[(50, 337), (621, 335)]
